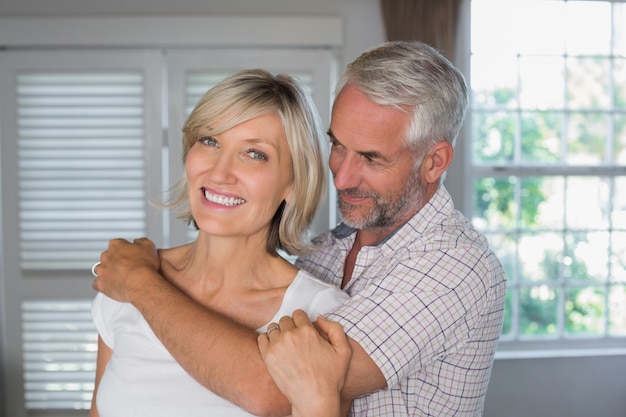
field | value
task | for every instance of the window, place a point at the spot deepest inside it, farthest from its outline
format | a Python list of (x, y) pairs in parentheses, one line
[(548, 164), (88, 138)]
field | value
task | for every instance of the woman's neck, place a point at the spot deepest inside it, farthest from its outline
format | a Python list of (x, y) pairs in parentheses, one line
[(241, 280)]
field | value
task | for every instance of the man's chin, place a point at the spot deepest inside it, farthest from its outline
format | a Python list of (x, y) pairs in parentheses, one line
[(352, 220)]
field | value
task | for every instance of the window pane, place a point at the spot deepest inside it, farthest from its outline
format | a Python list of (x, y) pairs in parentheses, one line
[(619, 29), (506, 25), (542, 203), (585, 310), (619, 82), (587, 133), (495, 137), (541, 82), (588, 83), (618, 212), (586, 256), (495, 205), (541, 134), (587, 202), (618, 257), (540, 256), (596, 41), (538, 311), (494, 89), (617, 310), (620, 139)]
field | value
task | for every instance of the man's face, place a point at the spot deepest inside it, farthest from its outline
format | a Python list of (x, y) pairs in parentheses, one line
[(374, 169)]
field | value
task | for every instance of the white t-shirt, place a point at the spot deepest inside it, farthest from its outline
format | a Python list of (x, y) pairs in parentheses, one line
[(143, 379)]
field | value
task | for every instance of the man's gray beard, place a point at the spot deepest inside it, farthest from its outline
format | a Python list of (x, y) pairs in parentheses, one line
[(386, 213)]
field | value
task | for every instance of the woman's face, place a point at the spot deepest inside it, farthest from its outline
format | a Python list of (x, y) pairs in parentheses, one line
[(238, 178)]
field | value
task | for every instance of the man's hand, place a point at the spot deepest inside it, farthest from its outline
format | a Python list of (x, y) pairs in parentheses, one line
[(123, 266)]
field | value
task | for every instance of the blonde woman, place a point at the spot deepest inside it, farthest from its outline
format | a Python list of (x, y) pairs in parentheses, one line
[(254, 178)]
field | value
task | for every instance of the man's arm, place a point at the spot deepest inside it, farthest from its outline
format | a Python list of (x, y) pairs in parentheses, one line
[(218, 352)]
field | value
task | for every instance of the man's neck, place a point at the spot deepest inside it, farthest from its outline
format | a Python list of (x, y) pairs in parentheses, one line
[(348, 266)]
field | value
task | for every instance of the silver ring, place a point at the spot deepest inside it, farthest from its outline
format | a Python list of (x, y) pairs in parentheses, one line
[(93, 269), (272, 328)]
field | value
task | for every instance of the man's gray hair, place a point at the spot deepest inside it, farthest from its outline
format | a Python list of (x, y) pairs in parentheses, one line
[(418, 79)]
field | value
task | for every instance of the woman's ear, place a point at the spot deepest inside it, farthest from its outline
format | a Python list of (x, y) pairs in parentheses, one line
[(437, 162)]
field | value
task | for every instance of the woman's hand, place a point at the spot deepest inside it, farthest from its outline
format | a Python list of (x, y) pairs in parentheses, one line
[(308, 368)]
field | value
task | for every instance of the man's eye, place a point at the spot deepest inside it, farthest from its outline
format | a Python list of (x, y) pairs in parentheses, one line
[(334, 144)]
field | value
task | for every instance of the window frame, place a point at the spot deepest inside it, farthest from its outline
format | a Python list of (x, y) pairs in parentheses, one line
[(516, 346)]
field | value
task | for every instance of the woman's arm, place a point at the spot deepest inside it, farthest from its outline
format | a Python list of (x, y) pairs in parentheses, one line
[(104, 355), (307, 368)]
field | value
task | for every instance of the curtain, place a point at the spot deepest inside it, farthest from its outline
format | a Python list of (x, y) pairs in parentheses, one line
[(431, 21)]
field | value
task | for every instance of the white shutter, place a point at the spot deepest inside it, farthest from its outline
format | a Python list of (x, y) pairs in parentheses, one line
[(60, 346), (81, 165)]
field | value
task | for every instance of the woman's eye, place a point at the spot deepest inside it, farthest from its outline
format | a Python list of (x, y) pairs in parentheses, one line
[(209, 141), (256, 155)]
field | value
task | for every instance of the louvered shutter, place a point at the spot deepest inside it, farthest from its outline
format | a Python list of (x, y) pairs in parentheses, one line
[(81, 165)]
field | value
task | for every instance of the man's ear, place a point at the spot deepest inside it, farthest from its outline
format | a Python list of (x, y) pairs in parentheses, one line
[(437, 162)]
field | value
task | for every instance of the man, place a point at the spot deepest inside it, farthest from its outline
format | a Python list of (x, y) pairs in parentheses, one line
[(427, 293)]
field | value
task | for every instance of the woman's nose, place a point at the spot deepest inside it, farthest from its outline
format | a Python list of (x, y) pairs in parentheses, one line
[(223, 169)]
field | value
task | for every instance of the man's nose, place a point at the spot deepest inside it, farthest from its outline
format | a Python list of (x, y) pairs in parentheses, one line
[(346, 172)]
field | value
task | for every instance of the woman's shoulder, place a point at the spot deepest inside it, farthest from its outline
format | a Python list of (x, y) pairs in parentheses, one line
[(306, 283)]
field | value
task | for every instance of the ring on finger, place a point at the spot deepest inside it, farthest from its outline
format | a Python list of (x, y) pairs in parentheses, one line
[(271, 328), (93, 269)]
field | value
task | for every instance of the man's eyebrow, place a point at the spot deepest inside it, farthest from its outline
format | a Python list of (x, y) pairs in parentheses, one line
[(367, 154), (373, 155)]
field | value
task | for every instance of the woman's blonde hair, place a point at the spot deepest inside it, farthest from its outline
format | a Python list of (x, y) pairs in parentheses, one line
[(241, 97)]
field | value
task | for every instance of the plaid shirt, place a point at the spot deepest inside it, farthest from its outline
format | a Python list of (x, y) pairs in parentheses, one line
[(427, 306)]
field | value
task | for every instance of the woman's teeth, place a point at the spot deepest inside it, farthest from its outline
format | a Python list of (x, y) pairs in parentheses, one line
[(224, 201)]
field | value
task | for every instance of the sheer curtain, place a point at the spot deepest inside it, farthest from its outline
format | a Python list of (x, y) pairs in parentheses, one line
[(431, 21)]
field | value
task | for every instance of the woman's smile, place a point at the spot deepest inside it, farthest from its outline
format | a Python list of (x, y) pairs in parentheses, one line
[(222, 200)]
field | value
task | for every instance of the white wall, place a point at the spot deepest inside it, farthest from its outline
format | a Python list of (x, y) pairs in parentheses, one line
[(362, 19), (572, 387)]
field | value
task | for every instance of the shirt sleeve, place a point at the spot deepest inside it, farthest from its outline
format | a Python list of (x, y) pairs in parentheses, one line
[(423, 308)]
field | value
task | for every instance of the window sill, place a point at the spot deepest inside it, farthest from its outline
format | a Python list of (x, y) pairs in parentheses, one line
[(509, 354)]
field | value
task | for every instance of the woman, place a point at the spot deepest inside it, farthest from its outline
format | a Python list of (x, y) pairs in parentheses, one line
[(254, 177)]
